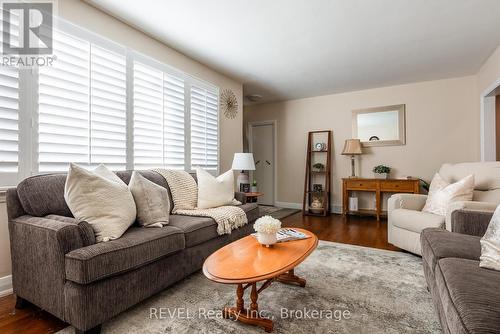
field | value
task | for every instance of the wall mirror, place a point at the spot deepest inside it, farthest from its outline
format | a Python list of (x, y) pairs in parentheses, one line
[(380, 126)]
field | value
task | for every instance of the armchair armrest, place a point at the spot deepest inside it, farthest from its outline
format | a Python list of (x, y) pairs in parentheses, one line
[(240, 196), (406, 201), (468, 213), (38, 246)]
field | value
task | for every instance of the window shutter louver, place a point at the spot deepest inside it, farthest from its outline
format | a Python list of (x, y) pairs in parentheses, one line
[(148, 117), (108, 109), (9, 110), (204, 128), (173, 122), (158, 119), (82, 107), (63, 111), (9, 117)]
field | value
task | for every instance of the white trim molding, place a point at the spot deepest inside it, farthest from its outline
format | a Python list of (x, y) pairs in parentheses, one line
[(487, 122), (6, 286), (274, 123), (289, 205)]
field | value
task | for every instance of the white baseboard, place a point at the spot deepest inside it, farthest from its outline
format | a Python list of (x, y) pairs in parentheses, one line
[(289, 205), (5, 285)]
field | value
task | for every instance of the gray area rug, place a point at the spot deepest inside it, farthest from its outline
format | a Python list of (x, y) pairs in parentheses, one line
[(356, 289), (275, 212)]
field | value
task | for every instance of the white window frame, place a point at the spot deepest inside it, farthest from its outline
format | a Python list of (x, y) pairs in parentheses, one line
[(28, 105)]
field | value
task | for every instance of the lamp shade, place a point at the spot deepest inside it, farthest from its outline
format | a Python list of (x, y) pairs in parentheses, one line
[(352, 147), (243, 161)]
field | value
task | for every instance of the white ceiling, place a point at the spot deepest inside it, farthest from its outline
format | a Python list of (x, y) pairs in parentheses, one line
[(286, 49)]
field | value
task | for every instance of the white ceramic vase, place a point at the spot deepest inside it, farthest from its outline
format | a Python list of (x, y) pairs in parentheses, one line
[(253, 189), (266, 239), (380, 175)]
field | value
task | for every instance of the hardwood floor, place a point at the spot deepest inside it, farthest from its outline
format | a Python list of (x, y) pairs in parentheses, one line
[(362, 231), (354, 230)]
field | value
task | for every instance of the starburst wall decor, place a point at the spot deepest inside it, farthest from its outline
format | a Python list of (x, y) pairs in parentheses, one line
[(228, 103)]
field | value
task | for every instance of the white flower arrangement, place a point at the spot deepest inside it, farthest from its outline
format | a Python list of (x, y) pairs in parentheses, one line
[(267, 224)]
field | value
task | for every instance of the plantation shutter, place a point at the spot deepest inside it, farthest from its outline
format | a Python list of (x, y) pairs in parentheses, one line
[(82, 107), (108, 109), (173, 127), (9, 112), (148, 117), (63, 111), (9, 116), (158, 119), (204, 128)]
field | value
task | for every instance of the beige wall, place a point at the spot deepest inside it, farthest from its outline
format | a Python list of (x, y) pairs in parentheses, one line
[(442, 125), (94, 20), (489, 74)]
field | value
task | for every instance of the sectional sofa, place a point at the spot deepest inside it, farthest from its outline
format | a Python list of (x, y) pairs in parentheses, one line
[(58, 266), (466, 296)]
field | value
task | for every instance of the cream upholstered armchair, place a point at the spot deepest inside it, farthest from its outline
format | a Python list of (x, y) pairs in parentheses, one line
[(406, 219)]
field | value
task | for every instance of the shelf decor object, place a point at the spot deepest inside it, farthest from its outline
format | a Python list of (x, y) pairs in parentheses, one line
[(352, 147), (228, 103), (243, 162), (317, 182)]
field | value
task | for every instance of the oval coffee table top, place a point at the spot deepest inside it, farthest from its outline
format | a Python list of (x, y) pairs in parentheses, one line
[(246, 261)]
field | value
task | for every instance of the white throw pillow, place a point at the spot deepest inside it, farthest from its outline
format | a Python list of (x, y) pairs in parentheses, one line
[(490, 244), (442, 193), (214, 192), (100, 198)]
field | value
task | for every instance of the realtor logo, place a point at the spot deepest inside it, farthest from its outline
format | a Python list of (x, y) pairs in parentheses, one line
[(33, 34)]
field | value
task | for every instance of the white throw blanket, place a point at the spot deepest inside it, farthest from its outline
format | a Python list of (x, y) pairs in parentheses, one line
[(185, 195)]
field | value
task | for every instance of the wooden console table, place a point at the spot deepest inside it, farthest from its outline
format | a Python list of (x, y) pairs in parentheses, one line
[(377, 186)]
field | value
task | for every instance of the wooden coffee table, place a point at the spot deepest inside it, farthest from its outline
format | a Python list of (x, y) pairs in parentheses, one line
[(245, 262)]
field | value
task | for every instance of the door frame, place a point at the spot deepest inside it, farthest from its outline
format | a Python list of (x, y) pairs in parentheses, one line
[(274, 123), (487, 121)]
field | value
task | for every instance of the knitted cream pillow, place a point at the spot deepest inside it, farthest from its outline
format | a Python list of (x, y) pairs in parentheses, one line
[(100, 198), (442, 193)]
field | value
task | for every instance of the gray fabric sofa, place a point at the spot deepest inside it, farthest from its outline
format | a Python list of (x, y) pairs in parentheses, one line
[(58, 266), (466, 296)]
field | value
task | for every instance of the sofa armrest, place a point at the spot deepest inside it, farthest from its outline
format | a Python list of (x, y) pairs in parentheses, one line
[(469, 206), (38, 246), (406, 201), (470, 218), (241, 197)]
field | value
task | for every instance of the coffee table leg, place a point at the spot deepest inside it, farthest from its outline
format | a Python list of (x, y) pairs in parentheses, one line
[(250, 316), (290, 278)]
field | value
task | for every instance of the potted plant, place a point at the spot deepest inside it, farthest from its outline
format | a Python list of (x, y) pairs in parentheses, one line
[(254, 186), (266, 228), (319, 167), (381, 171)]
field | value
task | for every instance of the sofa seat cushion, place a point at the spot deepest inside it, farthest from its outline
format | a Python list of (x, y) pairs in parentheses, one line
[(200, 229), (470, 296), (439, 244), (136, 247), (415, 221)]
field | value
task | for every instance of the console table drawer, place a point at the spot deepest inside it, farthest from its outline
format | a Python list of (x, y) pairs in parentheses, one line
[(397, 186), (361, 184)]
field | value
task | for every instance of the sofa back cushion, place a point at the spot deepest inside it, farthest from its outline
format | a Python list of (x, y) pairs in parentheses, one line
[(486, 178), (42, 195)]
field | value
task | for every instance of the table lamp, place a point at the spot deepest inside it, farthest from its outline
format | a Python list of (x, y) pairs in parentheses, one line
[(242, 162), (352, 147)]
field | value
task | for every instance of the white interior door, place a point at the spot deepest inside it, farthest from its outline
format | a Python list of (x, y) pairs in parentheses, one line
[(263, 154)]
